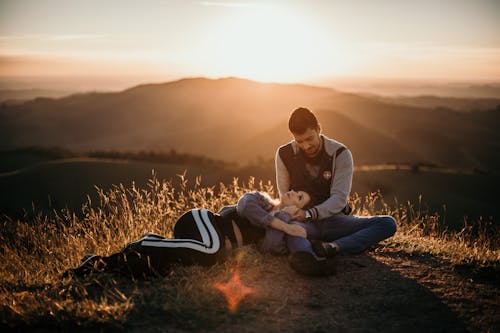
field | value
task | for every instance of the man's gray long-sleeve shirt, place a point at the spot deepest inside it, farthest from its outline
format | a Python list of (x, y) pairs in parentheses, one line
[(341, 183)]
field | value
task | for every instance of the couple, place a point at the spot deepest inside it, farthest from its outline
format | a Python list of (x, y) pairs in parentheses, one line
[(310, 221)]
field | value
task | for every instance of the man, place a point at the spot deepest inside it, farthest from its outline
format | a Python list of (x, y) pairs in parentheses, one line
[(323, 168)]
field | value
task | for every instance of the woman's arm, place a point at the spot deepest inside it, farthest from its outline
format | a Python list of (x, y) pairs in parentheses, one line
[(255, 207), (290, 229)]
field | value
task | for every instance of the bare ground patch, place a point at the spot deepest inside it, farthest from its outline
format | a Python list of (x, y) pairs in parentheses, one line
[(382, 290)]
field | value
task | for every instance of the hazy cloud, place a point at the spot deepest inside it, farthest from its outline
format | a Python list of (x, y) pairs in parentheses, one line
[(77, 37), (69, 37), (237, 5), (7, 38)]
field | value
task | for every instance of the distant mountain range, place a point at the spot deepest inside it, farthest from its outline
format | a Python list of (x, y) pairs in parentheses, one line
[(17, 96), (240, 120)]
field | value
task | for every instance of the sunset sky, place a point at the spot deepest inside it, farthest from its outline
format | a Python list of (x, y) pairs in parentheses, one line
[(263, 40)]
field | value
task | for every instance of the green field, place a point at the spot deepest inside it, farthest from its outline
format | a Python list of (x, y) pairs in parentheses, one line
[(454, 195), (65, 183)]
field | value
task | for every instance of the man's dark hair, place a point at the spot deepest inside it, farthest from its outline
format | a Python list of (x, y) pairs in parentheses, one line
[(302, 119)]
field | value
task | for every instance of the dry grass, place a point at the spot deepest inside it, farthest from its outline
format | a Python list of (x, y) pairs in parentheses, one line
[(476, 245), (34, 252)]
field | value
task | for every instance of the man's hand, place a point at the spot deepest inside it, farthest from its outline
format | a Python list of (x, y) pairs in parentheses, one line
[(300, 215), (296, 230), (292, 210)]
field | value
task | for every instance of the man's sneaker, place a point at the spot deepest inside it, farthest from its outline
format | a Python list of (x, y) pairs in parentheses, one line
[(87, 257), (323, 249), (306, 263), (88, 265)]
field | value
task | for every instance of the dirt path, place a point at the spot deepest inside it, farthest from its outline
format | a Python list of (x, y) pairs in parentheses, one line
[(381, 291)]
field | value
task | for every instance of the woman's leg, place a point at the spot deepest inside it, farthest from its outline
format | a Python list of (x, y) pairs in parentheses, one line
[(197, 242)]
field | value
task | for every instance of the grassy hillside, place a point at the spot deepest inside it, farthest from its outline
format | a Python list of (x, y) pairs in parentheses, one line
[(455, 103), (35, 251), (239, 120)]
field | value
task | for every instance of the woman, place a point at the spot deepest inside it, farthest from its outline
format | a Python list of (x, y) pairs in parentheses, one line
[(274, 217), (202, 237), (307, 256)]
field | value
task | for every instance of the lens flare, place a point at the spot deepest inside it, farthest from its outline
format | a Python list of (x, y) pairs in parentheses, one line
[(234, 290)]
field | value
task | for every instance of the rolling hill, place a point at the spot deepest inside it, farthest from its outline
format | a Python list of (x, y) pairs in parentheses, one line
[(240, 120)]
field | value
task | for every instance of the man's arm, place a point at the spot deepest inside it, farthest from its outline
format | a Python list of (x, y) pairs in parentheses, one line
[(339, 190), (290, 229), (282, 175)]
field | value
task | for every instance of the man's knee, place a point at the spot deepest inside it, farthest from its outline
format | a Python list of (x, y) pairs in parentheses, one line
[(390, 225)]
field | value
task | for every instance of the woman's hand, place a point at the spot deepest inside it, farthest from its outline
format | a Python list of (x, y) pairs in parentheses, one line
[(296, 230)]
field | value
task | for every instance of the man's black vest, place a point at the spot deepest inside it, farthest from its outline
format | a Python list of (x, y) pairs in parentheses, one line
[(301, 180)]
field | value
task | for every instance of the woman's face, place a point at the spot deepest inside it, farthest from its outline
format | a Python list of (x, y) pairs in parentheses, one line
[(292, 198)]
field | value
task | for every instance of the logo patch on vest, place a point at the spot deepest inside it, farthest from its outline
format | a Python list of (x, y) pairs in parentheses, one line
[(327, 175)]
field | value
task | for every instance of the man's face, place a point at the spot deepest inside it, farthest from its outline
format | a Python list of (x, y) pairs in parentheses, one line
[(309, 142)]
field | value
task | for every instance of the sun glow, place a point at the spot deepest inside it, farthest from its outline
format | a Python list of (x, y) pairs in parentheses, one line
[(280, 41), (266, 44)]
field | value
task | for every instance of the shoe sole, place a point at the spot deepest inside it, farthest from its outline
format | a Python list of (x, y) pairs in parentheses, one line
[(320, 250), (304, 263)]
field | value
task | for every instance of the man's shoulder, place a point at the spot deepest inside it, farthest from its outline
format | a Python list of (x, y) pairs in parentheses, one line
[(291, 144), (331, 145), (287, 144)]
